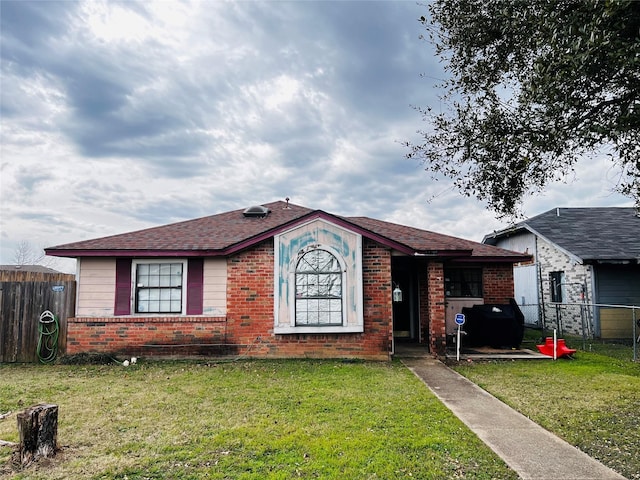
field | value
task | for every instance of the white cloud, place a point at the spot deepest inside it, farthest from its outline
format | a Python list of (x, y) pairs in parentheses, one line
[(122, 115)]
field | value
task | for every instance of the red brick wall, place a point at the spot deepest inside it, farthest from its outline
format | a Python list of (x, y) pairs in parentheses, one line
[(378, 308), (437, 324), (250, 298), (146, 336), (423, 296), (248, 327), (250, 310), (497, 283)]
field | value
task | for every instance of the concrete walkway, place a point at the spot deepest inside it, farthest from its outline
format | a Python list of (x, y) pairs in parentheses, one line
[(530, 450)]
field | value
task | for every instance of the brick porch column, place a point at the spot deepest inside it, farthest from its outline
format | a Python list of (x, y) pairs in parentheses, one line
[(437, 324)]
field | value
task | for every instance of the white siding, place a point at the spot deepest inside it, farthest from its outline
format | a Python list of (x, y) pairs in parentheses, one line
[(214, 295), (525, 280), (96, 287), (524, 242), (97, 281)]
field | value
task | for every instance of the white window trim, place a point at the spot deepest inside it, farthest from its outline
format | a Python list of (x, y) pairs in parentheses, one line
[(183, 302), (292, 328)]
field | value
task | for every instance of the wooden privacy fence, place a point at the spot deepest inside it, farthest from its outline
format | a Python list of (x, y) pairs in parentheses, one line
[(23, 298)]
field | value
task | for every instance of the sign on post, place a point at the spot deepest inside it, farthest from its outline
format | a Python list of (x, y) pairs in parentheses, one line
[(459, 321)]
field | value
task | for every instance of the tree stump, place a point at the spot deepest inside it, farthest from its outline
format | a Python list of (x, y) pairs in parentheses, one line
[(38, 429)]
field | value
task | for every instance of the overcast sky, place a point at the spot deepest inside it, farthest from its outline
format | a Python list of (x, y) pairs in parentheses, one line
[(118, 116)]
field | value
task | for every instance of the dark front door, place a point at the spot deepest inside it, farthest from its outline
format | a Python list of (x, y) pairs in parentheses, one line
[(405, 318)]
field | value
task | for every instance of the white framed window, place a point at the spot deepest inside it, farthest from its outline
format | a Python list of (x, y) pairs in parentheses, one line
[(318, 279), (159, 286)]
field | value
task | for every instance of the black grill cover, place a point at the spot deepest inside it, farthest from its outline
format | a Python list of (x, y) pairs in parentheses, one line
[(496, 326)]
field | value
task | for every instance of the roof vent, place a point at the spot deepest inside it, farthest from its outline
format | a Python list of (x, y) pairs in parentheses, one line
[(256, 211)]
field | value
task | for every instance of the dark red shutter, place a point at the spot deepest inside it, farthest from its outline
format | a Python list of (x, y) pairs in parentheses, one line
[(195, 275), (123, 287)]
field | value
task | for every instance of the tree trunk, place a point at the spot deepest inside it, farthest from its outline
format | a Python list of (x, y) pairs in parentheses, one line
[(38, 429)]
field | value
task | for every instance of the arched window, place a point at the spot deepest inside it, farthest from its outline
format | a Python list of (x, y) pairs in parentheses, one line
[(318, 289)]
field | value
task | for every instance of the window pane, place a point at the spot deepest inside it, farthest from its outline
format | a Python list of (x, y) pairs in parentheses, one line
[(463, 282), (158, 287), (324, 318), (329, 263), (318, 289), (312, 305), (313, 289), (312, 317), (556, 279), (335, 305), (301, 312)]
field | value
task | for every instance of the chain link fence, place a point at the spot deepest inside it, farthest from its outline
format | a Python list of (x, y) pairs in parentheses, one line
[(615, 324)]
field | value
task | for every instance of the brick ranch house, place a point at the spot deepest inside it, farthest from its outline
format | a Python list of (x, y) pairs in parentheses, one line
[(276, 280)]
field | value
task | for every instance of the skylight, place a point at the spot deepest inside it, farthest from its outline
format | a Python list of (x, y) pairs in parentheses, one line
[(256, 211)]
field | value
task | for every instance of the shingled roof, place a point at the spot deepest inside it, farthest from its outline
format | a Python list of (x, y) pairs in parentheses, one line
[(600, 234), (229, 232)]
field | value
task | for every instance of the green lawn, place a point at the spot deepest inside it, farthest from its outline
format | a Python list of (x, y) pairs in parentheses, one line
[(592, 401), (244, 420)]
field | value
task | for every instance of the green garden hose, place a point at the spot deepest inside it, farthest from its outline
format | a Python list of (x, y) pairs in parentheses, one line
[(48, 330)]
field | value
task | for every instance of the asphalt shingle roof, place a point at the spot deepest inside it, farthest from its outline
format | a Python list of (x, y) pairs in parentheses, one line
[(596, 233), (231, 231)]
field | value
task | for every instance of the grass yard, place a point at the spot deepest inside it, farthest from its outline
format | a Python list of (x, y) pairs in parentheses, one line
[(592, 401), (244, 420)]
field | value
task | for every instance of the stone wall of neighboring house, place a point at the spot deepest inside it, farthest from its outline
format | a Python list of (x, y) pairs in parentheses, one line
[(565, 317)]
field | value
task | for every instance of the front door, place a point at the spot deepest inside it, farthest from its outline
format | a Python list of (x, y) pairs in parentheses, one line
[(405, 317)]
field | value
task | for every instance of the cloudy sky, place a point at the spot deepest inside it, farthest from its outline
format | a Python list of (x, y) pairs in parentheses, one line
[(117, 116)]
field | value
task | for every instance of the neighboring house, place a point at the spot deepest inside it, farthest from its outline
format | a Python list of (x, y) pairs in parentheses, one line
[(587, 256), (28, 268), (278, 280)]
